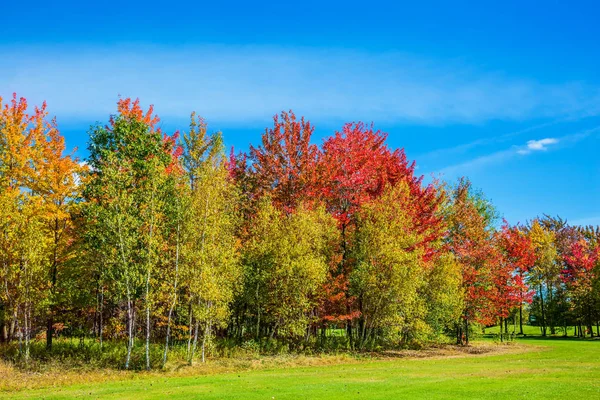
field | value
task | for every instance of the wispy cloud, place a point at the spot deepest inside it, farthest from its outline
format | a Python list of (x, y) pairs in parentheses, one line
[(523, 150), (249, 83), (462, 148)]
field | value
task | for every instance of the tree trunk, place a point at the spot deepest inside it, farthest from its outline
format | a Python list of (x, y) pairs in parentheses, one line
[(521, 319), (204, 338), (49, 332), (589, 320), (191, 360), (53, 278), (101, 327), (550, 306), (13, 324), (129, 326), (189, 345), (148, 271), (257, 312), (148, 320), (27, 330), (174, 298), (543, 311)]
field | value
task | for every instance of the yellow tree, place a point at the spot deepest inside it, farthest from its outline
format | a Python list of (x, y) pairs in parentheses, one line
[(23, 240), (546, 270), (55, 179), (389, 269), (210, 257), (286, 259)]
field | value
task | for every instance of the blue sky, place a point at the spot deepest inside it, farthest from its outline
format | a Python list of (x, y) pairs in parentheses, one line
[(506, 94)]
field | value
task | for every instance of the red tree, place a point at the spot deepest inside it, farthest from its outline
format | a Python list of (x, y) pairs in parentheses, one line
[(469, 238), (284, 164), (517, 256), (579, 276), (355, 167)]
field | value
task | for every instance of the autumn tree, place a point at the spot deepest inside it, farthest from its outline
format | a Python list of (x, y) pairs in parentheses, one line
[(469, 239), (210, 253), (389, 270), (355, 168), (37, 183), (545, 271), (580, 275), (284, 165), (56, 179), (510, 276)]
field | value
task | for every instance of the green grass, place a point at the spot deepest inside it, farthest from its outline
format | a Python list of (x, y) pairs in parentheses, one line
[(536, 368), (534, 330)]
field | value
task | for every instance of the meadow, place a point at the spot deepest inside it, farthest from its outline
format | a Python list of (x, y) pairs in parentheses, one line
[(528, 368)]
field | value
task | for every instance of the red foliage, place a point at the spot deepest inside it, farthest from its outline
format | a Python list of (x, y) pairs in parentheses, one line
[(284, 165), (133, 110), (470, 242), (357, 166), (580, 264), (516, 258)]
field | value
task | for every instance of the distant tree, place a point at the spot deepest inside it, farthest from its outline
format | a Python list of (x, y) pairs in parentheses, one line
[(580, 275), (545, 271), (510, 277)]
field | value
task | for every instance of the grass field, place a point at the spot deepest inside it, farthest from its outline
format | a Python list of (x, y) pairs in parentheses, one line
[(531, 368), (534, 330)]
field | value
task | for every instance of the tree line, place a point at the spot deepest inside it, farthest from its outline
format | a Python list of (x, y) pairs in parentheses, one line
[(162, 240)]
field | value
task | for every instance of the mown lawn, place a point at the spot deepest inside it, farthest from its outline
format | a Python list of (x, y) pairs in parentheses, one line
[(535, 368)]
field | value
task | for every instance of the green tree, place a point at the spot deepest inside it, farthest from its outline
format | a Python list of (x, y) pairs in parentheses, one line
[(130, 161)]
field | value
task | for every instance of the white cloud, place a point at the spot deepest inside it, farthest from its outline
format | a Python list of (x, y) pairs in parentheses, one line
[(249, 83), (537, 145)]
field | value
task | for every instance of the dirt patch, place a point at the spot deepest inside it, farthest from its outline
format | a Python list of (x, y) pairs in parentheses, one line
[(457, 351)]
